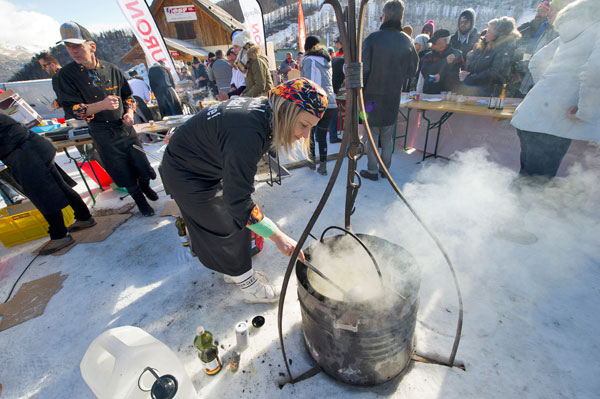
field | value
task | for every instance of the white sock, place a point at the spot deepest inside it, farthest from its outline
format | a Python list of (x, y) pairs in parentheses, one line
[(245, 280)]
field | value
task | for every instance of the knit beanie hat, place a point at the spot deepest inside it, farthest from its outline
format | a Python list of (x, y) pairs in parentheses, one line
[(429, 27), (241, 39), (545, 4), (310, 42), (422, 40)]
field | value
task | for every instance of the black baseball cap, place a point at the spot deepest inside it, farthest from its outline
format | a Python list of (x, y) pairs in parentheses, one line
[(72, 32), (439, 34)]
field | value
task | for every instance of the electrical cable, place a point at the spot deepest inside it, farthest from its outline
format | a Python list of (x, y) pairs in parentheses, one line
[(19, 278)]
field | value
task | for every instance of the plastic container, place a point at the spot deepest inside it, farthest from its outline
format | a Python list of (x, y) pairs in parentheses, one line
[(114, 365), (23, 222)]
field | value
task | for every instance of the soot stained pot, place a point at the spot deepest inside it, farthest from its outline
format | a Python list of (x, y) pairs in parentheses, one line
[(363, 343)]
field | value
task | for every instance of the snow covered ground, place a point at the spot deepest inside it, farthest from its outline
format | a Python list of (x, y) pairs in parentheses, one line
[(530, 328)]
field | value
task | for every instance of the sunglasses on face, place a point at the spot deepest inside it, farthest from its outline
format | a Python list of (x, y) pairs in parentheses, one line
[(44, 66)]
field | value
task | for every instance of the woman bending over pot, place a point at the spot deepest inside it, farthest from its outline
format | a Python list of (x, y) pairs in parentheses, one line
[(209, 167)]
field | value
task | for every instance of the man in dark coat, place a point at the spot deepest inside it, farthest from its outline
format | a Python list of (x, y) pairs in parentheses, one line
[(466, 36), (338, 76), (30, 159), (199, 73), (536, 34), (389, 59), (50, 64), (440, 65), (220, 73), (287, 65), (163, 86), (98, 92)]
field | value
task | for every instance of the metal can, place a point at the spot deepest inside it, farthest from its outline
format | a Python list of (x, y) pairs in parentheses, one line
[(417, 97), (241, 335), (234, 363)]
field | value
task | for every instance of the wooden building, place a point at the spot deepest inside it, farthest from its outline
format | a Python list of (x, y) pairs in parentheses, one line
[(194, 32)]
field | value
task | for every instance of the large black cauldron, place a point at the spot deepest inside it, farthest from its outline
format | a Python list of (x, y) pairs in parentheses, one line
[(363, 343)]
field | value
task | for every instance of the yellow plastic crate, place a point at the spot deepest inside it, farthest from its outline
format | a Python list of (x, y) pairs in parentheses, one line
[(23, 222)]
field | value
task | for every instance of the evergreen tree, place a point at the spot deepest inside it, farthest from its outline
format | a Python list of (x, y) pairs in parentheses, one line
[(111, 46)]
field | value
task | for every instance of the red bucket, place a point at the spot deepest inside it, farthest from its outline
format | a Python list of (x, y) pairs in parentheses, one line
[(103, 177)]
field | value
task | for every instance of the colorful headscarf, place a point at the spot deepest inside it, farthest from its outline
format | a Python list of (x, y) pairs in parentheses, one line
[(304, 93)]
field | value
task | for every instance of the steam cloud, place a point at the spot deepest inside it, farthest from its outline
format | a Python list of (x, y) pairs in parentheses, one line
[(510, 240)]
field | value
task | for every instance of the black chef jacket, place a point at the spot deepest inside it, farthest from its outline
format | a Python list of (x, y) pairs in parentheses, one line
[(209, 168), (113, 140)]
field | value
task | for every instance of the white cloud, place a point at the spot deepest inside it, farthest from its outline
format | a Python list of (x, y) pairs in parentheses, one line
[(29, 29)]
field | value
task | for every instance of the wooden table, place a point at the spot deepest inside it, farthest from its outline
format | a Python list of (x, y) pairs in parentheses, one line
[(448, 108), (159, 127)]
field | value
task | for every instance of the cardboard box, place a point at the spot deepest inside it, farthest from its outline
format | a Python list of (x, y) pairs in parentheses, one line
[(18, 109)]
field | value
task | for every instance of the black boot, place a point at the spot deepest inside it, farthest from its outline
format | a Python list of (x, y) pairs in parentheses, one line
[(147, 190), (141, 202), (312, 163)]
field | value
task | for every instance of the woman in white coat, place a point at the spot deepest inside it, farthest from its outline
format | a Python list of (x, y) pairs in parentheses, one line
[(564, 104)]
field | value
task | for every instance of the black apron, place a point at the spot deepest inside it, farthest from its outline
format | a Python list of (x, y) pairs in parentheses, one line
[(114, 142), (216, 239), (168, 102)]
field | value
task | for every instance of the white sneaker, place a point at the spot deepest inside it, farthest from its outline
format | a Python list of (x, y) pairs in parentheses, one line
[(257, 288)]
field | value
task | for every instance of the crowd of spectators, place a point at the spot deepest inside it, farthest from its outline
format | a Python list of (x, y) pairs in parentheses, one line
[(477, 62)]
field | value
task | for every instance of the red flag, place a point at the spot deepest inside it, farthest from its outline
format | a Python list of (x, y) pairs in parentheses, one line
[(301, 27)]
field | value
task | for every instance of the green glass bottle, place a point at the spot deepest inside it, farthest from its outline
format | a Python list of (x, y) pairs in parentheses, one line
[(181, 231), (208, 351)]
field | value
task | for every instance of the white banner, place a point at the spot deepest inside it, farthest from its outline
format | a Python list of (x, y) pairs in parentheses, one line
[(142, 23), (180, 13), (254, 22)]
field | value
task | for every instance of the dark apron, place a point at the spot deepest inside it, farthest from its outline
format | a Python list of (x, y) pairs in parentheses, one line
[(114, 142), (31, 166), (168, 102), (216, 239)]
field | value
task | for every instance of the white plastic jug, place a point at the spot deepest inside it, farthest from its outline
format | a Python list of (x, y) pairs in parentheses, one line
[(114, 365)]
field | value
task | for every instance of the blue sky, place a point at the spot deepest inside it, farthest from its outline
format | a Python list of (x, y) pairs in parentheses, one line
[(85, 12), (34, 24)]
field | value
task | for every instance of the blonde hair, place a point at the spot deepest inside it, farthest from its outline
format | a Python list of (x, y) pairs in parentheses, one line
[(285, 115), (314, 48)]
